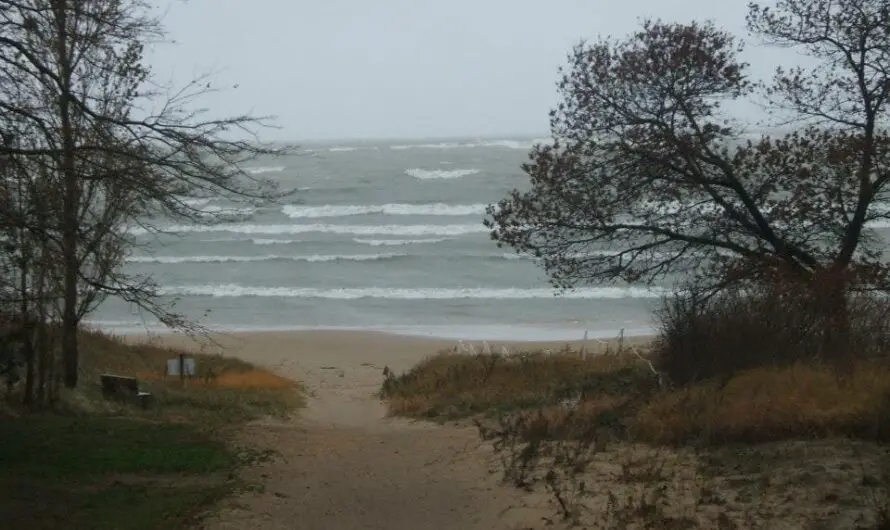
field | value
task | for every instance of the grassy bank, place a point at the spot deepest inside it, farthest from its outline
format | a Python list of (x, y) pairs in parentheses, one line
[(758, 405), (770, 447), (226, 389), (453, 386), (99, 464)]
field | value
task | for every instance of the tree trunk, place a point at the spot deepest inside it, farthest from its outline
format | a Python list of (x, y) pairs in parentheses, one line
[(30, 368), (24, 319), (70, 354), (834, 307), (43, 358), (41, 344)]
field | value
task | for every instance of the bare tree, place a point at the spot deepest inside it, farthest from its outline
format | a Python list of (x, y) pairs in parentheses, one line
[(78, 102), (650, 175)]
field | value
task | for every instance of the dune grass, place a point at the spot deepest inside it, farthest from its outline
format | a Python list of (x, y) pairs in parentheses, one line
[(453, 385), (767, 447), (774, 403), (762, 404), (102, 464)]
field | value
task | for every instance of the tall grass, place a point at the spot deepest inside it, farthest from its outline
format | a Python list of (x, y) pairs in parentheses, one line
[(451, 385)]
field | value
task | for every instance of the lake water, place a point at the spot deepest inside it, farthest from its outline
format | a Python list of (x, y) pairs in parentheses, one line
[(384, 236)]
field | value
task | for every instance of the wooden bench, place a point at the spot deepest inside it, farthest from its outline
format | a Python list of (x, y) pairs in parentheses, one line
[(124, 388)]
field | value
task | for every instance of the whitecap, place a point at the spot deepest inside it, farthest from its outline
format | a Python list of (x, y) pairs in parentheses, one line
[(260, 241), (170, 260), (434, 174), (394, 230), (400, 242), (430, 293), (435, 209), (265, 169)]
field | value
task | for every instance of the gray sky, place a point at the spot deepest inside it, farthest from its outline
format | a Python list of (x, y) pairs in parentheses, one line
[(402, 68)]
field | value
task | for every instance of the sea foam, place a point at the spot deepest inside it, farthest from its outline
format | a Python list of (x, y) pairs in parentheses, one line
[(432, 293), (400, 242), (273, 257), (436, 209), (265, 169), (436, 174), (394, 230)]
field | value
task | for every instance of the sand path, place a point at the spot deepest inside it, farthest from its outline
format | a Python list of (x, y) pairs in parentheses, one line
[(344, 465)]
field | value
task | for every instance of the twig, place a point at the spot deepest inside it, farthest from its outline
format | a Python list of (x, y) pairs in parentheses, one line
[(655, 372)]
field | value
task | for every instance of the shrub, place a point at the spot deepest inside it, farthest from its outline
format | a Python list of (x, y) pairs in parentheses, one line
[(703, 337)]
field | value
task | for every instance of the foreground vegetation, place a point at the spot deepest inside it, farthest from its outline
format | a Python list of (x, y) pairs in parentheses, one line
[(105, 464), (613, 448), (637, 438)]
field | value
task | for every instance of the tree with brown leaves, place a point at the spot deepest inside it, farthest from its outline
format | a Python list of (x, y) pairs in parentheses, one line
[(650, 175)]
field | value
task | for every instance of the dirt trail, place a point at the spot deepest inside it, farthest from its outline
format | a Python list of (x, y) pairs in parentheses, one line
[(344, 465)]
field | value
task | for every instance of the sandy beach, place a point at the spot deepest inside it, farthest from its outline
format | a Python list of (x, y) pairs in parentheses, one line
[(343, 463)]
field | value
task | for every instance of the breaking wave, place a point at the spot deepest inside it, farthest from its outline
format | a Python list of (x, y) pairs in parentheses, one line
[(400, 242), (431, 293), (222, 213), (265, 169), (394, 230), (313, 212), (247, 259), (436, 174)]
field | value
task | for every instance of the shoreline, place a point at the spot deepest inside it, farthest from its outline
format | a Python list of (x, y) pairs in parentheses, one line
[(499, 333), (295, 354)]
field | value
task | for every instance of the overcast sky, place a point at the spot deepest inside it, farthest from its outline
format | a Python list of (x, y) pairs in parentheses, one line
[(338, 69)]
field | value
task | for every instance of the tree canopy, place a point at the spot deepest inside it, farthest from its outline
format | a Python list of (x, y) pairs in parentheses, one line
[(90, 145), (650, 174)]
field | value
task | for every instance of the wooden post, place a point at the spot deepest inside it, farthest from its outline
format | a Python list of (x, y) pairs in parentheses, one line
[(182, 367)]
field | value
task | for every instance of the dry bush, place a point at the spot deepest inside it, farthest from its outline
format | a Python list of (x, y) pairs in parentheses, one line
[(703, 337), (451, 385), (535, 448), (772, 403), (587, 481), (592, 480)]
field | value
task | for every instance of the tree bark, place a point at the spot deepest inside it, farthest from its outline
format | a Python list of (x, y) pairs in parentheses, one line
[(834, 308), (70, 321)]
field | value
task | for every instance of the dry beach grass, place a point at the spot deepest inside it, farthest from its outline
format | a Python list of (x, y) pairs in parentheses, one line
[(783, 447)]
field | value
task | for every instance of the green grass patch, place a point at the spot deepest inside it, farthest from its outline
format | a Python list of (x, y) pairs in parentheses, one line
[(99, 472), (77, 447), (105, 506), (146, 506)]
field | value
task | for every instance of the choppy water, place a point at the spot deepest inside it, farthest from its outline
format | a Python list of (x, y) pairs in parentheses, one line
[(381, 235)]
